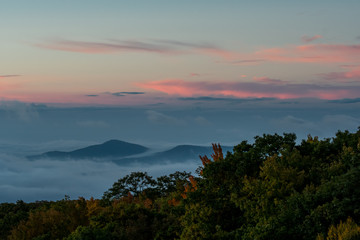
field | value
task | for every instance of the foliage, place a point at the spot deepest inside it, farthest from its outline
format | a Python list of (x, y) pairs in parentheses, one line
[(348, 230)]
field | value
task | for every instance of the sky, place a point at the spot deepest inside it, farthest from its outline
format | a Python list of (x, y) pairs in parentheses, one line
[(131, 53), (162, 73)]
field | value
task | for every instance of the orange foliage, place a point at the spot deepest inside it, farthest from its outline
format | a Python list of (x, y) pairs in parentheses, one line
[(216, 156), (148, 203), (173, 202), (93, 207), (190, 187)]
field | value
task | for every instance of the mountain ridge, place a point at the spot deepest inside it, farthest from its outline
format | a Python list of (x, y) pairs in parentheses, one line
[(118, 152), (111, 148)]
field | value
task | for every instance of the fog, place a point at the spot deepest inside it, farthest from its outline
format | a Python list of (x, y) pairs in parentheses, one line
[(48, 179), (30, 129)]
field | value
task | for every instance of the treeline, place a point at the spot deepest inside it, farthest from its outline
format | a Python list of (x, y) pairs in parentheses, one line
[(271, 189)]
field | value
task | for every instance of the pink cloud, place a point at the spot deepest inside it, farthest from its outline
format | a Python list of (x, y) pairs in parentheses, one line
[(8, 76), (159, 46), (104, 47), (314, 53), (228, 55), (75, 98), (308, 39), (268, 80), (353, 74), (194, 75), (247, 61), (264, 88), (309, 53)]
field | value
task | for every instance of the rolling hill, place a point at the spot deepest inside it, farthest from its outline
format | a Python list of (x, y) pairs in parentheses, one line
[(109, 149)]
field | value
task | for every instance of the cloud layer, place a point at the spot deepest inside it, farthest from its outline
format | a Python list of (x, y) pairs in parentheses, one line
[(261, 88)]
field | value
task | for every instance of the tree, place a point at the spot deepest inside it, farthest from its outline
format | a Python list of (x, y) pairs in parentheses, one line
[(136, 183)]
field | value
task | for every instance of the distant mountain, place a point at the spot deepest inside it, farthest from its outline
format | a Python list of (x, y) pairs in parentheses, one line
[(181, 153), (124, 153), (109, 149), (187, 152)]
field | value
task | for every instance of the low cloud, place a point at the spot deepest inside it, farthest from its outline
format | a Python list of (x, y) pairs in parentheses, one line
[(202, 121), (160, 118), (20, 110), (346, 100), (340, 119), (52, 180), (92, 95), (91, 124)]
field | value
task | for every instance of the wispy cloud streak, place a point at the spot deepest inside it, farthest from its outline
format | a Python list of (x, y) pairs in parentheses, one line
[(9, 76), (118, 46), (265, 89), (308, 53), (312, 53), (308, 39)]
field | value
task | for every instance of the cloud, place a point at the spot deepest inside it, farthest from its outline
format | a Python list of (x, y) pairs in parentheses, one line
[(118, 46), (308, 53), (308, 39), (343, 120), (248, 61), (346, 100), (228, 99), (20, 110), (268, 80), (312, 53), (52, 180), (202, 121), (9, 76), (91, 124), (285, 90), (195, 75), (295, 120), (118, 94), (157, 117), (92, 95), (122, 94), (353, 74), (104, 47), (133, 93)]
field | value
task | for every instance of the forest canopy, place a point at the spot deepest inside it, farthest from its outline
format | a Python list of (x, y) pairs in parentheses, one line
[(273, 188)]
